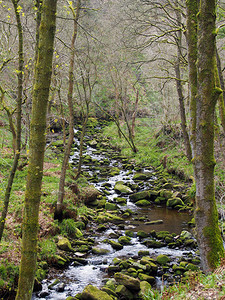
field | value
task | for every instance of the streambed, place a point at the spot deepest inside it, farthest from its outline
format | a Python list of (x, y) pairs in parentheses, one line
[(94, 269)]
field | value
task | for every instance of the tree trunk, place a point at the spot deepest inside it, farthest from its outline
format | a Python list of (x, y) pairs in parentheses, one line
[(134, 114), (182, 113), (82, 144), (18, 125), (191, 37), (180, 90), (58, 210), (208, 234), (43, 70)]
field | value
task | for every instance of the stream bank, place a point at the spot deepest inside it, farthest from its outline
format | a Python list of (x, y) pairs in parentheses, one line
[(137, 227)]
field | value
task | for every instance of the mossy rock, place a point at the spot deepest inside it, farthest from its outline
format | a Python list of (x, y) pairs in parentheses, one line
[(129, 233), (93, 293), (87, 159), (129, 282), (114, 171), (168, 239), (190, 243), (151, 243), (99, 251), (110, 206), (142, 176), (89, 194), (143, 203), (64, 244), (111, 284), (185, 235), (122, 188), (174, 202), (162, 259), (124, 240), (142, 234), (101, 203), (93, 143), (143, 252), (115, 245), (160, 200), (121, 200), (162, 234), (123, 292), (125, 264), (139, 267), (145, 290), (149, 263), (183, 264), (116, 261), (145, 277), (166, 194), (192, 267), (139, 196), (109, 292), (107, 217), (155, 222), (178, 269)]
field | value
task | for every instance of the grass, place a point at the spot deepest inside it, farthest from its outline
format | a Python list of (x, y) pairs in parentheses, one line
[(153, 147)]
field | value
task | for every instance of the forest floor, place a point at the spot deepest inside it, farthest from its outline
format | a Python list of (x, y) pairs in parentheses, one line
[(153, 148)]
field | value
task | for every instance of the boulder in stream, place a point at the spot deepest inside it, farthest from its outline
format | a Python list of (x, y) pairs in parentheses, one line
[(173, 202), (99, 251), (139, 196), (129, 282), (64, 244), (142, 176), (162, 259), (124, 293), (120, 187), (93, 293), (145, 289), (143, 202)]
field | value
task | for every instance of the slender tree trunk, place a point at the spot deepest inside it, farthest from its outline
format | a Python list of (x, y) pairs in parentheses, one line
[(18, 125), (206, 216), (182, 112), (180, 89), (134, 114), (43, 70), (191, 37), (82, 145), (58, 210)]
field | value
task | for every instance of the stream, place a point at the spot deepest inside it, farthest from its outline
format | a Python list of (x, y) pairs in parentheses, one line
[(97, 164)]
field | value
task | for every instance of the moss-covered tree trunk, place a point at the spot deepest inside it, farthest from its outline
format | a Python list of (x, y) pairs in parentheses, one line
[(58, 210), (206, 216), (191, 36), (43, 70), (18, 123)]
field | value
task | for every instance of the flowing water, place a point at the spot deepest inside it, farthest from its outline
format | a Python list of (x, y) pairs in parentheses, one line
[(75, 278)]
